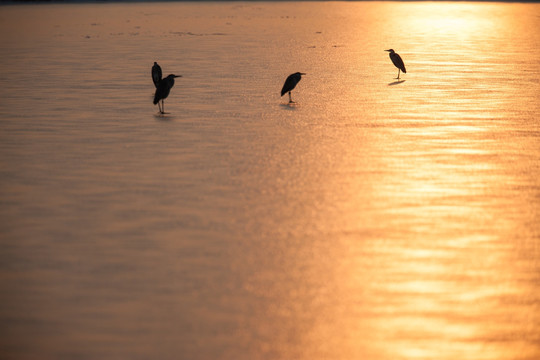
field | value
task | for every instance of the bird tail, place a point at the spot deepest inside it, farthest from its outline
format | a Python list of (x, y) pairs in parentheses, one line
[(156, 100)]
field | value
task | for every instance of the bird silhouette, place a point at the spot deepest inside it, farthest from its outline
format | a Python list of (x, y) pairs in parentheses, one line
[(290, 84), (396, 60), (162, 91)]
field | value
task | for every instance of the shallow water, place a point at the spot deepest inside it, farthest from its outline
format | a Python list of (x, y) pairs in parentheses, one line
[(373, 219)]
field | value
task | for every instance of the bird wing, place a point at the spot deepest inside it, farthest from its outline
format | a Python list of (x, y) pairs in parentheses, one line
[(156, 74), (290, 84), (396, 59), (162, 91)]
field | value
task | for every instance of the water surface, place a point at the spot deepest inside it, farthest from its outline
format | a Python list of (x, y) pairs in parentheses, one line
[(374, 219)]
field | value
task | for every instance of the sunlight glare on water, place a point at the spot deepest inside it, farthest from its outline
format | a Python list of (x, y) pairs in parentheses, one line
[(373, 219)]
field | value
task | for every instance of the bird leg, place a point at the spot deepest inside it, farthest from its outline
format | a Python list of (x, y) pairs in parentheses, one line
[(398, 70), (159, 107), (290, 98), (162, 107)]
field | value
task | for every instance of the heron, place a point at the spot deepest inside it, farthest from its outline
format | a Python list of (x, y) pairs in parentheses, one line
[(162, 91), (290, 84), (396, 59), (156, 74)]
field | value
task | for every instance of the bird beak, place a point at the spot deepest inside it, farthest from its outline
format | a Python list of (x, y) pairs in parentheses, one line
[(302, 73), (177, 76), (387, 50)]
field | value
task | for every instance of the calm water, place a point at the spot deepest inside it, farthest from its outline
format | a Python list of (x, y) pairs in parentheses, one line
[(374, 219)]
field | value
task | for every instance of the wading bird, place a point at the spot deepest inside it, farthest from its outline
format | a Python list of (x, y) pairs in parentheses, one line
[(162, 91), (156, 73), (290, 83), (396, 59)]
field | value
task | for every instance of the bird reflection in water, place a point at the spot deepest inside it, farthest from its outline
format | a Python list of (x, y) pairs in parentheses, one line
[(396, 82)]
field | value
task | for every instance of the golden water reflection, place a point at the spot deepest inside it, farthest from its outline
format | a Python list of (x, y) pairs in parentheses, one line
[(408, 244)]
